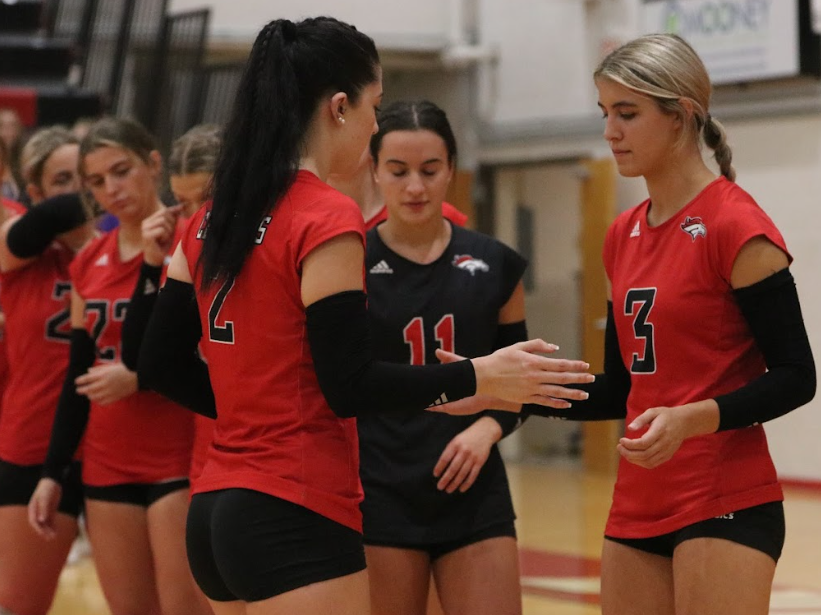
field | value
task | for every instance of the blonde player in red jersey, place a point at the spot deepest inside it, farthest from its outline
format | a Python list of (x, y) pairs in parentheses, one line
[(704, 342), (191, 168), (135, 473), (36, 247)]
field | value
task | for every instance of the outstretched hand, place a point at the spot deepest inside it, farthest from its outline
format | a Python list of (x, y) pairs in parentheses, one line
[(519, 374)]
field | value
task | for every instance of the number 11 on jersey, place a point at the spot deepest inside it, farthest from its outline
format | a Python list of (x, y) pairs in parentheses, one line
[(414, 334)]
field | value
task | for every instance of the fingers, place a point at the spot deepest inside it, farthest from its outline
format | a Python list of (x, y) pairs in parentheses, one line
[(41, 518), (448, 357), (644, 419), (536, 346), (566, 370), (456, 472), (649, 459), (444, 459)]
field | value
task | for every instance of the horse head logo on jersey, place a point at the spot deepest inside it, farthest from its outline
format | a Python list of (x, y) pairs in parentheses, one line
[(694, 227), (468, 263)]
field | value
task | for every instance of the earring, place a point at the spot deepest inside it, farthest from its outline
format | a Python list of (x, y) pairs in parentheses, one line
[(341, 120)]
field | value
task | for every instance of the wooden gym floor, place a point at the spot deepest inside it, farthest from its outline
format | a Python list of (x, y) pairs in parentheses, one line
[(562, 511)]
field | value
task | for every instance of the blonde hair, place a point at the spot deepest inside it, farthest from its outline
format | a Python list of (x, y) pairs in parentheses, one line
[(196, 151), (667, 69), (123, 133), (39, 148)]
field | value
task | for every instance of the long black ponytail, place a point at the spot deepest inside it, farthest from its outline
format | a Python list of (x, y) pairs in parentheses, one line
[(291, 67)]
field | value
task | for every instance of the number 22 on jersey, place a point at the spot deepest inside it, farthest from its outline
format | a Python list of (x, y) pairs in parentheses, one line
[(414, 334)]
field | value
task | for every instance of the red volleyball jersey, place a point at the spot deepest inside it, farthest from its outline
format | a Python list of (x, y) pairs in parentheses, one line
[(36, 300), (274, 430), (683, 339), (448, 210), (143, 438), (12, 208)]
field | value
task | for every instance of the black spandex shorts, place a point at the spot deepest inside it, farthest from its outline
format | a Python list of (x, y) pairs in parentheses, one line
[(250, 546), (138, 494), (760, 527), (17, 484), (435, 550)]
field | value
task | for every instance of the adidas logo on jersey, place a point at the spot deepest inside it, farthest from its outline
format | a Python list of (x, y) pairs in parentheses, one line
[(381, 267), (636, 229), (150, 288), (443, 399), (468, 263), (102, 261)]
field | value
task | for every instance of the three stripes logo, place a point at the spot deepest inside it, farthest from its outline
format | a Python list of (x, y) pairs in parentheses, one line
[(442, 399), (381, 267)]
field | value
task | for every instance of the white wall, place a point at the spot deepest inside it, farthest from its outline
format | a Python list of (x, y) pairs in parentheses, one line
[(779, 163), (553, 193), (543, 63), (418, 22)]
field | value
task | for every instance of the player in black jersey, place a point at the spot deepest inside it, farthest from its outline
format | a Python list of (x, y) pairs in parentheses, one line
[(436, 493)]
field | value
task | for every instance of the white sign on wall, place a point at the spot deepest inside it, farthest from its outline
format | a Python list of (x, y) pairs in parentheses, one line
[(739, 40)]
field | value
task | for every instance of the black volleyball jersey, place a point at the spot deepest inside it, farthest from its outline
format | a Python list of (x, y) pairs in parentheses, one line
[(452, 303)]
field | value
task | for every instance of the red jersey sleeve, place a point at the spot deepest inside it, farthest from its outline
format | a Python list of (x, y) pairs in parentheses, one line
[(322, 220), (742, 220), (453, 214)]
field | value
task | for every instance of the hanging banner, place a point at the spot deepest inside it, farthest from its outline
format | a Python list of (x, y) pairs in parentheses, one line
[(741, 40)]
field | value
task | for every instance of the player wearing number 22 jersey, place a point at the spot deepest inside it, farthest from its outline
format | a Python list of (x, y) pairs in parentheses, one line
[(35, 301), (683, 338), (452, 303), (120, 445)]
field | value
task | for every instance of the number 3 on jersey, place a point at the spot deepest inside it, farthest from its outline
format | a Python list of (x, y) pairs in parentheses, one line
[(639, 301), (414, 333)]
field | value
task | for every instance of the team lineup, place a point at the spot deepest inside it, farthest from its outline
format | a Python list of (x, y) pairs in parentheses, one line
[(284, 394)]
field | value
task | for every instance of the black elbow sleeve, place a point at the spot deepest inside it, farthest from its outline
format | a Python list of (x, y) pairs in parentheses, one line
[(169, 362), (72, 409), (41, 224), (353, 383), (607, 394), (773, 313), (139, 311), (506, 335)]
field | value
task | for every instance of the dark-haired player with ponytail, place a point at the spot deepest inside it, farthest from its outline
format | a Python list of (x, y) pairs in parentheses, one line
[(270, 277), (436, 494), (705, 342)]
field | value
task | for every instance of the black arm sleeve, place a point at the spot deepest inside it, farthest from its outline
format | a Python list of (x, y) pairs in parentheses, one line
[(506, 335), (773, 312), (41, 224), (72, 409), (169, 362), (353, 382), (139, 311), (608, 394)]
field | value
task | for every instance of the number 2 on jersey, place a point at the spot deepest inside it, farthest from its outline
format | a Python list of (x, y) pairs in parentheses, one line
[(643, 329), (414, 334)]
